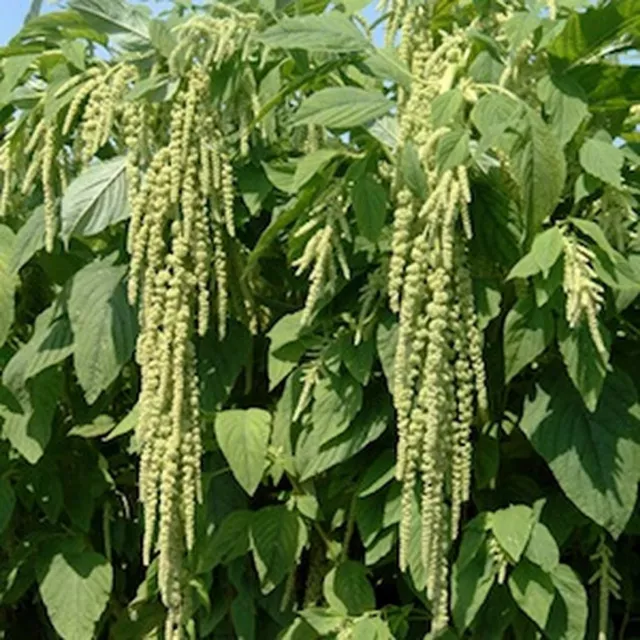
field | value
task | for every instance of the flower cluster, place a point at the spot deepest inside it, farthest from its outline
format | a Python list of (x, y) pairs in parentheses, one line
[(582, 288), (439, 378)]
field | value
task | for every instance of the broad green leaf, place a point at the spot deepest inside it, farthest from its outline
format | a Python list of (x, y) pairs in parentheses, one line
[(368, 628), (313, 456), (358, 359), (284, 349), (528, 331), (220, 362), (337, 400), (584, 362), (243, 436), (542, 548), (568, 617), (274, 543), (254, 187), (512, 528), (116, 17), (96, 199), (563, 100), (28, 426), (370, 206), (378, 475), (385, 64), (533, 591), (47, 488), (493, 114), (452, 149), (385, 130), (585, 33), (342, 107), (545, 251), (331, 32), (51, 342), (386, 341), (126, 425), (600, 158), (412, 171), (75, 589), (243, 616), (8, 282), (7, 503), (541, 171), (161, 37), (29, 240), (322, 620), (100, 426), (104, 325), (447, 108), (594, 231), (595, 457), (309, 165), (472, 577), (231, 540), (347, 589)]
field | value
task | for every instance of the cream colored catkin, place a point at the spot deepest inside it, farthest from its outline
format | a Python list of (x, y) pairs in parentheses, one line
[(439, 379)]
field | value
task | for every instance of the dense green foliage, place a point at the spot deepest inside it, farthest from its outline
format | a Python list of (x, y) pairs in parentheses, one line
[(277, 149)]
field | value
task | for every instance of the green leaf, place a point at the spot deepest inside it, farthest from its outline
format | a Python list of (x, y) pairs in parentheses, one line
[(493, 114), (367, 628), (472, 578), (542, 548), (51, 343), (541, 171), (8, 282), (161, 37), (231, 540), (96, 199), (512, 528), (587, 32), (385, 131), (533, 591), (312, 163), (385, 64), (274, 543), (331, 32), (75, 589), (100, 426), (337, 400), (412, 171), (370, 205), (595, 457), (347, 589), (29, 240), (7, 503), (546, 249), (243, 436), (447, 108), (243, 616), (220, 363), (126, 425), (386, 341), (568, 617), (103, 323), (564, 102), (116, 17), (584, 362), (313, 456), (528, 331), (358, 359), (28, 426), (453, 149), (284, 350), (342, 107), (600, 158)]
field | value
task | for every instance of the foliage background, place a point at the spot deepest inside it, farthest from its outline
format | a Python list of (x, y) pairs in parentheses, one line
[(297, 534)]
